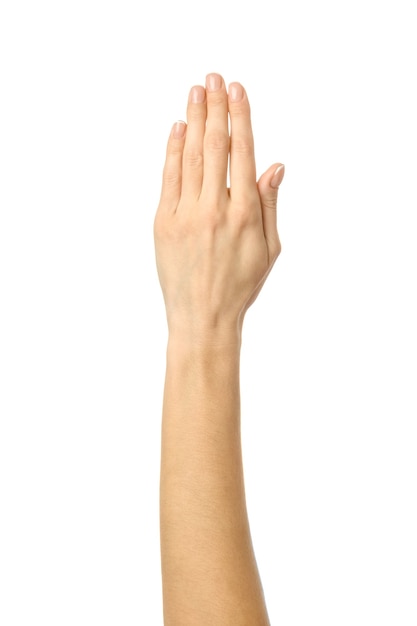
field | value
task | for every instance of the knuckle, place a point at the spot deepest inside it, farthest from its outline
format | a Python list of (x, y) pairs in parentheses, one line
[(217, 140), (195, 113), (217, 98), (171, 179), (211, 224), (193, 159), (245, 216), (270, 203), (242, 146), (240, 108), (174, 148)]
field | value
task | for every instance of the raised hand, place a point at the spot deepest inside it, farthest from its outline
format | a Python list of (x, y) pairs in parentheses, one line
[(215, 245)]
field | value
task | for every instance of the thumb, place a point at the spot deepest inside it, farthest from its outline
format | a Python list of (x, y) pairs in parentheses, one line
[(268, 191)]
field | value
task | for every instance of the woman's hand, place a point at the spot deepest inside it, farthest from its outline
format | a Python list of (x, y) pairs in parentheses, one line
[(215, 246)]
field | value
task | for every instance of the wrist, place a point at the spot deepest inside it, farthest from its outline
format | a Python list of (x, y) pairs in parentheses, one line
[(205, 347), (193, 335), (205, 363)]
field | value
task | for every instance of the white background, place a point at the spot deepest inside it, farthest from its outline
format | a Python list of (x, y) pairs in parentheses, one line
[(89, 91)]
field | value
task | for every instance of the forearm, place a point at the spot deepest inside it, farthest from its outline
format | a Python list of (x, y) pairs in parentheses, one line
[(209, 571)]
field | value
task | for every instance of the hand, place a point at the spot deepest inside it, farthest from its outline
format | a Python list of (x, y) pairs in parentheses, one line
[(215, 246)]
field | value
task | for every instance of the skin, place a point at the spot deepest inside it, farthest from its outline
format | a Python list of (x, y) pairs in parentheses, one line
[(215, 247)]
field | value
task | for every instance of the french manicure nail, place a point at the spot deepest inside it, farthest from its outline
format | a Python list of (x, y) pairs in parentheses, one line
[(213, 82), (197, 94), (178, 130), (276, 180), (235, 92)]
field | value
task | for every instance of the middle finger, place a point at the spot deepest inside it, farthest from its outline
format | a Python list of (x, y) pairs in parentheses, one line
[(216, 138)]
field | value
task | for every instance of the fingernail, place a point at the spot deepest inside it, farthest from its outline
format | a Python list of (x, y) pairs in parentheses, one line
[(276, 180), (197, 94), (213, 82), (178, 130), (235, 92)]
